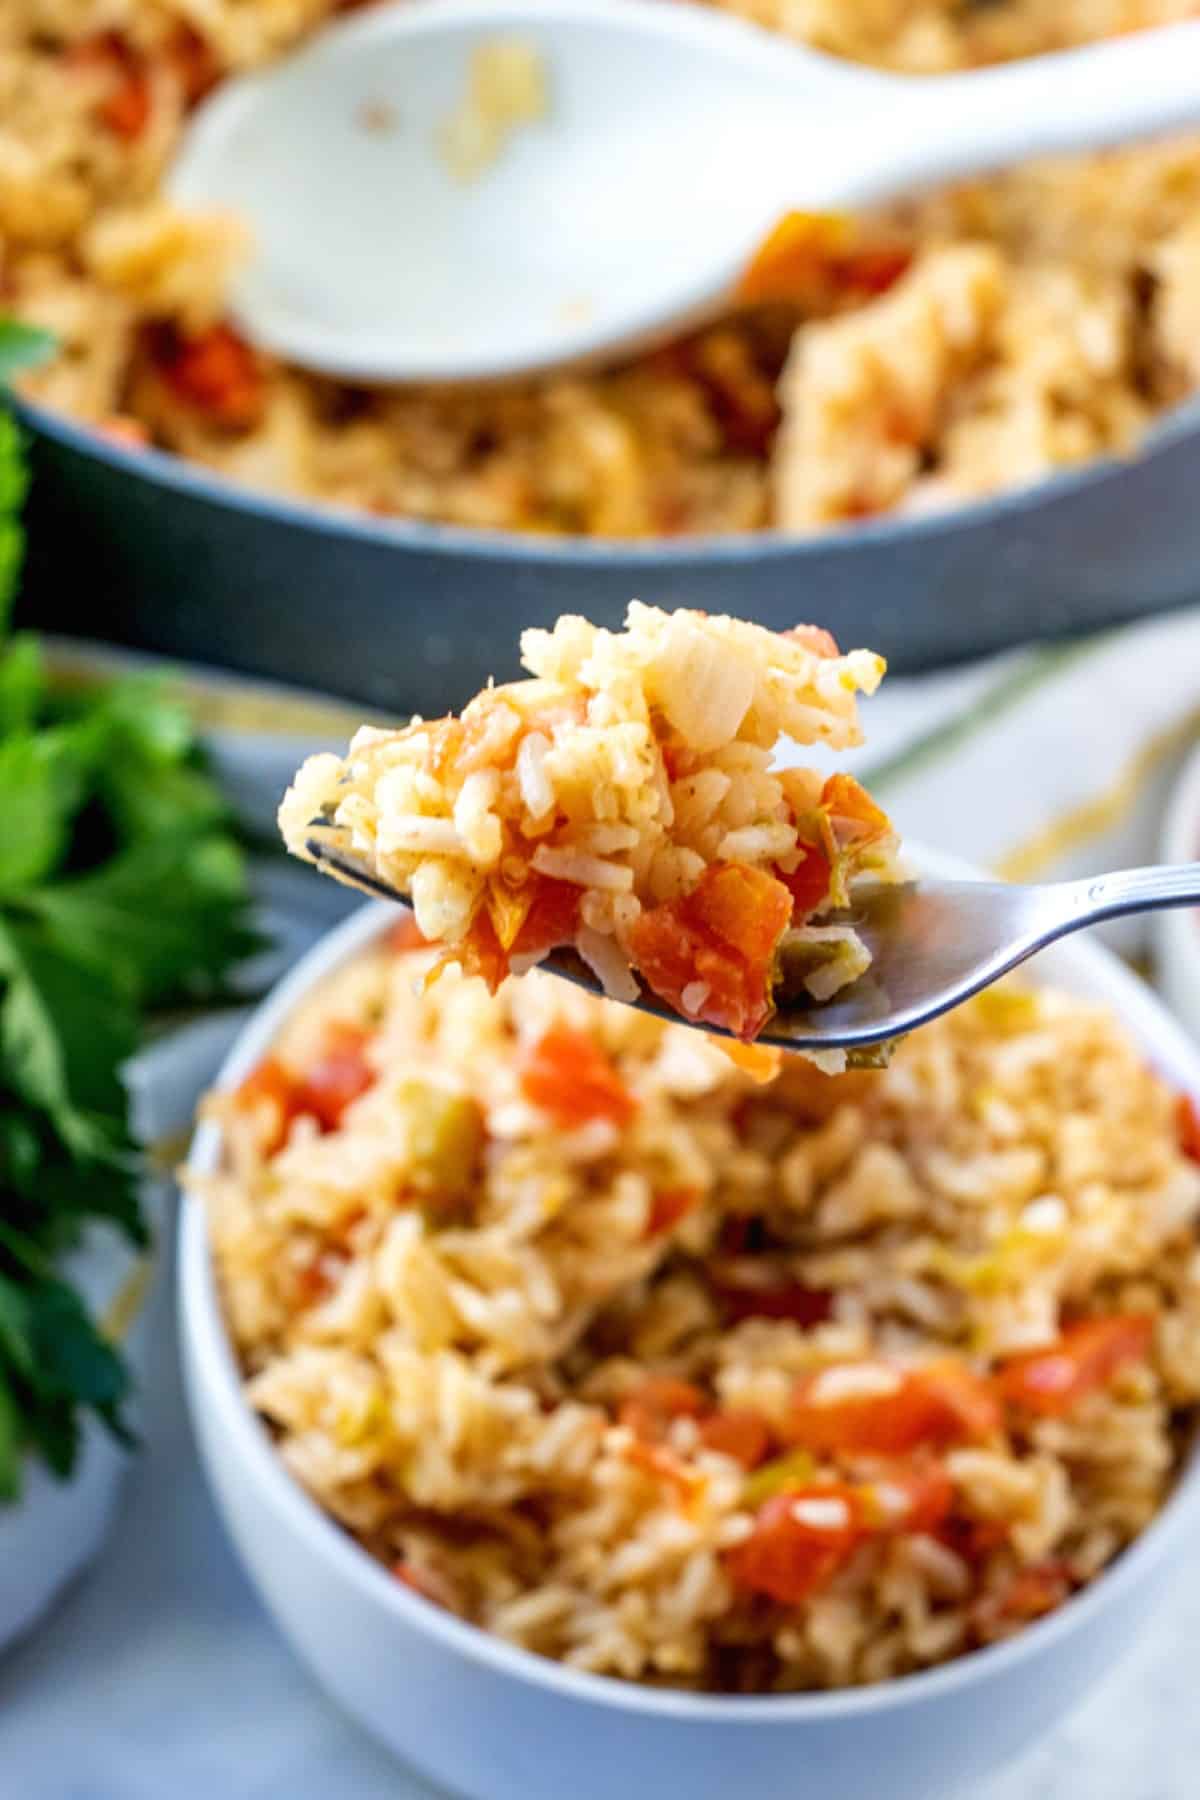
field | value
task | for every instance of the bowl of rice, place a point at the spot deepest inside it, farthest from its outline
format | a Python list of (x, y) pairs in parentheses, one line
[(589, 1413), (971, 394)]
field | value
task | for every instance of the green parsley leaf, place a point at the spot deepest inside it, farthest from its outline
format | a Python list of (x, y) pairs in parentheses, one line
[(22, 346)]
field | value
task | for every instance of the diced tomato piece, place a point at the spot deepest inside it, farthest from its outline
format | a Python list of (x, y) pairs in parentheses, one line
[(569, 1076), (814, 638), (215, 372), (1187, 1118), (340, 1074), (761, 1062), (551, 920), (721, 938), (650, 1407), (270, 1090), (799, 1542), (908, 1497), (808, 254), (740, 906), (788, 262), (667, 1207), (406, 935), (1085, 1357), (1031, 1594), (737, 1432), (972, 1539), (126, 111), (874, 1407), (854, 816), (966, 1402), (125, 107), (194, 63), (653, 1459), (480, 952), (808, 883), (774, 1298)]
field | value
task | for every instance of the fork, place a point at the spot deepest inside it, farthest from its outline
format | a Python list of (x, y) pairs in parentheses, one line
[(933, 944)]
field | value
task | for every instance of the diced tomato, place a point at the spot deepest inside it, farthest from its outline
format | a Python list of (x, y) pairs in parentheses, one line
[(787, 263), (972, 1539), (721, 938), (808, 255), (480, 952), (194, 63), (814, 638), (406, 935), (908, 1497), (808, 883), (340, 1074), (742, 907), (737, 1432), (270, 1091), (799, 1542), (667, 1207), (125, 107), (1085, 1357), (653, 1460), (650, 1407), (1031, 1594), (1187, 1118), (569, 1076), (215, 372), (551, 920), (854, 816), (874, 1407), (126, 111), (774, 1298), (761, 1062)]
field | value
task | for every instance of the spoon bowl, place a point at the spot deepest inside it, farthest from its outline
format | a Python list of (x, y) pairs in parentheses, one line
[(672, 140)]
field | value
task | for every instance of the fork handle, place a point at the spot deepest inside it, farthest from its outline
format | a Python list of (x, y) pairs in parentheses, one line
[(1132, 891)]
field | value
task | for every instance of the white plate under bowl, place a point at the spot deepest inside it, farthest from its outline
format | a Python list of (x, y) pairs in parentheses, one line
[(493, 1722)]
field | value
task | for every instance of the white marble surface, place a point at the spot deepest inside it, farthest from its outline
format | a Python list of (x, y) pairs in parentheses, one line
[(159, 1676)]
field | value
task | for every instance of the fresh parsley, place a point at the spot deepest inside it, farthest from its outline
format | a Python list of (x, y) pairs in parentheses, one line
[(122, 889)]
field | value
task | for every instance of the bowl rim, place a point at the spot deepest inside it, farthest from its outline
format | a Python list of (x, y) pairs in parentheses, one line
[(1179, 839), (164, 469), (215, 1380)]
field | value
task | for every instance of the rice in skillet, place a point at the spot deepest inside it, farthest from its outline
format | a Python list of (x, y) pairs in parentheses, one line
[(691, 1381), (968, 342)]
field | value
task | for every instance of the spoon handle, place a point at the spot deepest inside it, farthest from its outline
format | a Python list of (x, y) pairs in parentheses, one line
[(946, 128)]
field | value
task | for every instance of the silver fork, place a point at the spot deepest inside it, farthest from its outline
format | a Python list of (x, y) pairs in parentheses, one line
[(933, 944)]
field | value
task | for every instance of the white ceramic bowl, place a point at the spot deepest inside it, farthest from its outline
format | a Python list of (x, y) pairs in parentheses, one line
[(1176, 935), (497, 1723)]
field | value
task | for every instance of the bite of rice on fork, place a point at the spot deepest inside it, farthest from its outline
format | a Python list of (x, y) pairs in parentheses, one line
[(624, 801)]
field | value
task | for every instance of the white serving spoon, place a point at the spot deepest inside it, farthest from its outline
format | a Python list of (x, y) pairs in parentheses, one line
[(673, 141)]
